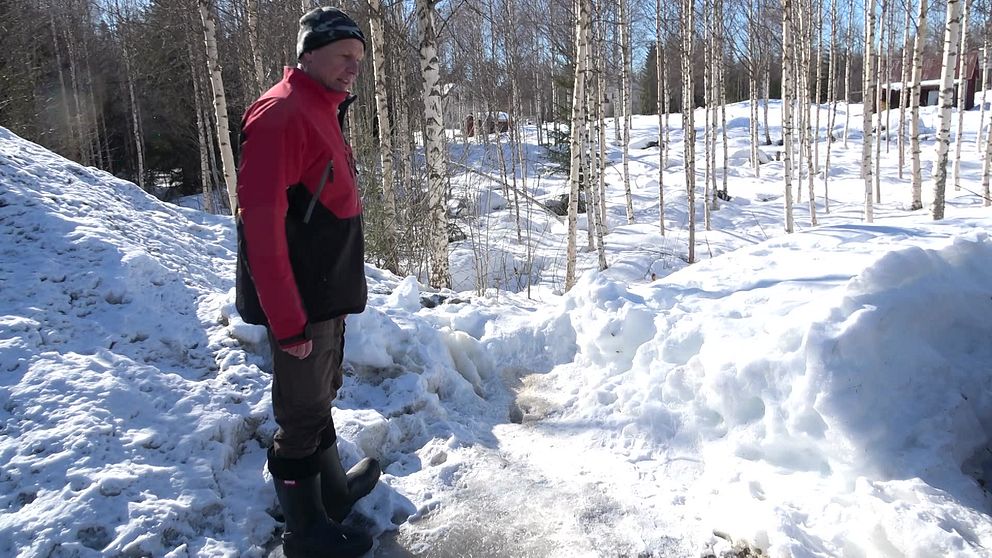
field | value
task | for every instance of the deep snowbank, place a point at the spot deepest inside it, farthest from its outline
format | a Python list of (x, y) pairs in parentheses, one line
[(837, 400)]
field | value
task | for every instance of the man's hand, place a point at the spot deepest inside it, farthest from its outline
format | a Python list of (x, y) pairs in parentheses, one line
[(301, 351)]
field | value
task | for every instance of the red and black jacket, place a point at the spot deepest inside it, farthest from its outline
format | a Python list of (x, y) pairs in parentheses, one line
[(301, 254)]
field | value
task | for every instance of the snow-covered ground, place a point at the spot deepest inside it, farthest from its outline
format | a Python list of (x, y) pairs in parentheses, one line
[(825, 393)]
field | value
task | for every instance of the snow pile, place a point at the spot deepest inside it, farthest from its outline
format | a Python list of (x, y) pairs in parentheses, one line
[(133, 400), (836, 400)]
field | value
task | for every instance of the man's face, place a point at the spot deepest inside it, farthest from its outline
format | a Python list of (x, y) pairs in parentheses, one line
[(335, 65)]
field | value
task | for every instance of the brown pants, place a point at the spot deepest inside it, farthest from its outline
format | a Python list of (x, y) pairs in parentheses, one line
[(302, 391)]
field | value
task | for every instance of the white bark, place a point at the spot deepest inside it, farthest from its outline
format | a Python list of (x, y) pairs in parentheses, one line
[(625, 96), (985, 87), (256, 52), (201, 133), (962, 90), (220, 104), (688, 120), (787, 93), (877, 174), (437, 172), (847, 69), (660, 66), (599, 187), (951, 30), (752, 84), (904, 89), (133, 102), (914, 104), (868, 98), (987, 169), (603, 220), (582, 25), (832, 102), (378, 43)]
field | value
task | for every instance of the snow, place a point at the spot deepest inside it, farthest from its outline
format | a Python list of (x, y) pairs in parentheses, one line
[(825, 393)]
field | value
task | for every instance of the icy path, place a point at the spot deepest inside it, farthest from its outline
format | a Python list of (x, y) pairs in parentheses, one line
[(543, 492)]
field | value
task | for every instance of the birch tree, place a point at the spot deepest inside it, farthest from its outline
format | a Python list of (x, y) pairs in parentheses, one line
[(662, 110), (951, 30), (377, 32), (868, 96), (753, 76), (985, 87), (832, 104), (962, 89), (121, 15), (904, 89), (847, 69), (220, 103), (987, 169), (787, 94), (437, 173), (627, 105), (914, 106), (688, 119), (582, 24), (251, 7), (877, 80)]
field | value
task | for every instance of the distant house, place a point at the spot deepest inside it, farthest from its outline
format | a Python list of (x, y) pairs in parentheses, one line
[(487, 123), (930, 82)]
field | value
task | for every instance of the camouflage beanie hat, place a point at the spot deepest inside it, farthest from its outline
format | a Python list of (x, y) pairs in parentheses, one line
[(321, 26)]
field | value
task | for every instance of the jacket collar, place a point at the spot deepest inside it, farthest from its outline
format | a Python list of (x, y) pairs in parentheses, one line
[(298, 78)]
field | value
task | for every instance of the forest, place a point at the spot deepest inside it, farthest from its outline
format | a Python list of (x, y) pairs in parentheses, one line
[(153, 91)]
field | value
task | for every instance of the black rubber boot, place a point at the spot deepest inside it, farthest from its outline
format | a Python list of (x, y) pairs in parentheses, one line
[(340, 490), (309, 533)]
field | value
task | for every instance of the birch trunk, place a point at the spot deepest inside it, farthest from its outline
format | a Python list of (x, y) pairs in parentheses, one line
[(708, 143), (847, 69), (135, 114), (660, 66), (627, 105), (82, 135), (598, 207), (877, 80), (816, 92), (220, 104), (601, 85), (768, 86), (787, 93), (688, 121), (437, 183), (868, 97), (752, 85), (951, 31), (832, 102), (904, 90), (201, 130), (575, 143), (985, 86), (987, 169), (722, 94), (256, 52), (914, 104), (72, 146), (378, 43), (962, 89)]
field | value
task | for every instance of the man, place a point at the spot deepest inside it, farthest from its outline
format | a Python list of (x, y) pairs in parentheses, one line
[(301, 270)]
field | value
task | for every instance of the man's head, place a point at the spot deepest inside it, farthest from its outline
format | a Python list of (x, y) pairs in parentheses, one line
[(330, 47)]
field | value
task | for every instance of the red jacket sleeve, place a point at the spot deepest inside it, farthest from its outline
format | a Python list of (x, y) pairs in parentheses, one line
[(271, 161)]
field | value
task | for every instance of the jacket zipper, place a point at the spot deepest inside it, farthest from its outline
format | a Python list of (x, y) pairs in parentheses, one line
[(328, 174)]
